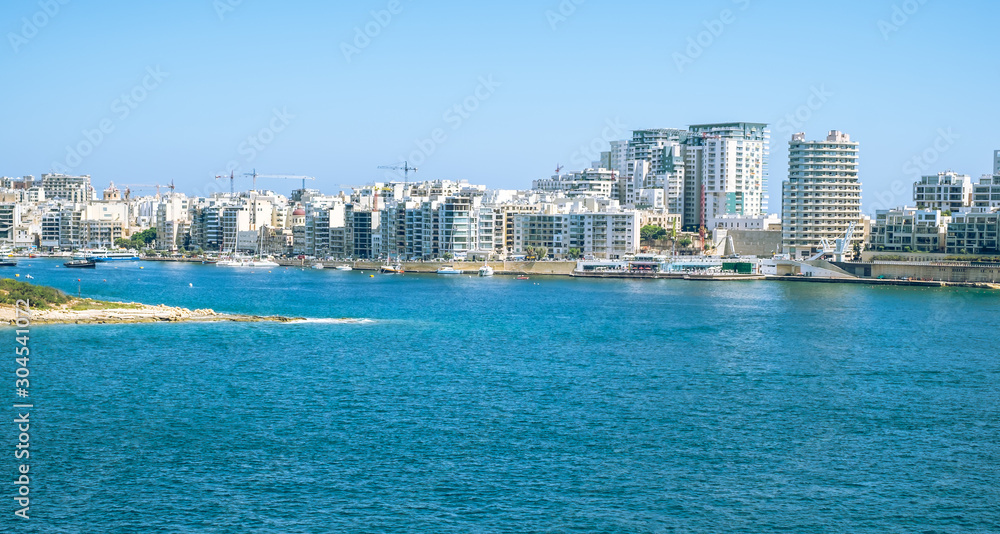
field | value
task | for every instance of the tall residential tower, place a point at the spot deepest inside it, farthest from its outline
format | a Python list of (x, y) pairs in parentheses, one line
[(822, 195), (726, 171)]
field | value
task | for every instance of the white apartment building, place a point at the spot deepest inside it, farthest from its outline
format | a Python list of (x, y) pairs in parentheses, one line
[(68, 188), (986, 194), (606, 234), (172, 221), (909, 230), (996, 162), (730, 165), (601, 183), (946, 191), (822, 195)]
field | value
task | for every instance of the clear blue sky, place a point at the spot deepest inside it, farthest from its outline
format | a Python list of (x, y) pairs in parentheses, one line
[(560, 83)]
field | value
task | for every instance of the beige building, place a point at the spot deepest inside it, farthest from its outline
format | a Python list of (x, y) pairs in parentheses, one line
[(822, 195)]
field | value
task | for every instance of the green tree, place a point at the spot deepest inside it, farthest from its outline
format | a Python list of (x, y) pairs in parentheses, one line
[(685, 241), (541, 252), (652, 232), (575, 253), (448, 256)]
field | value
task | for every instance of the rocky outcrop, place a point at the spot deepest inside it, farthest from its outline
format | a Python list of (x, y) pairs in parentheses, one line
[(132, 313)]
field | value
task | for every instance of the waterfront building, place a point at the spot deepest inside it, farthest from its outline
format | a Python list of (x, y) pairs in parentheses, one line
[(728, 163), (822, 195), (946, 191), (986, 194), (996, 162), (172, 221), (609, 233), (974, 233), (10, 220), (909, 230)]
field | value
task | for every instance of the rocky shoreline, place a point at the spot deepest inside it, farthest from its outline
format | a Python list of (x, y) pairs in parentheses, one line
[(132, 313)]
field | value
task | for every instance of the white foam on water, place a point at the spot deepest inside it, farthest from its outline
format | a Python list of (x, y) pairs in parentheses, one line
[(334, 321)]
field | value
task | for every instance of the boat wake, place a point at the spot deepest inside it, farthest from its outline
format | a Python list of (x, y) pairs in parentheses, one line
[(343, 320)]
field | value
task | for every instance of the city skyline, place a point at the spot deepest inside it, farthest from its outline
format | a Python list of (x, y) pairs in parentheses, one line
[(328, 91)]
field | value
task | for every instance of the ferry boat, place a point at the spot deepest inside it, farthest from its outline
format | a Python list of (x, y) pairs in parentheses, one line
[(486, 270), (103, 254), (448, 269)]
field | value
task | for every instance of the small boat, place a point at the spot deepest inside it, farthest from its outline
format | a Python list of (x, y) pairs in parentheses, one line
[(209, 262), (448, 269), (318, 266), (486, 270), (80, 264), (8, 263), (522, 277), (391, 269), (344, 268)]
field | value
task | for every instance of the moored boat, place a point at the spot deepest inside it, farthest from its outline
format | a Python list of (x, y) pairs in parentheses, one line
[(8, 263), (391, 269), (344, 268), (80, 264), (486, 270), (448, 269)]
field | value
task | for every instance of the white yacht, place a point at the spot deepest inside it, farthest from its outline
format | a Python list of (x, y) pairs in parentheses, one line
[(448, 269), (486, 270), (247, 261), (344, 268)]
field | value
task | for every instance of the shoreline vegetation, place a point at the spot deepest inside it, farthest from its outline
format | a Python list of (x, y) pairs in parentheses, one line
[(51, 306)]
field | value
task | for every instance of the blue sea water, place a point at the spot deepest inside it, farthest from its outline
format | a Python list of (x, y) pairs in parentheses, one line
[(497, 405)]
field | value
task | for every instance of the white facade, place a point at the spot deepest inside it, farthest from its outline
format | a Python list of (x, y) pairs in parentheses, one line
[(822, 195), (736, 222), (986, 194), (946, 191), (732, 167), (588, 183)]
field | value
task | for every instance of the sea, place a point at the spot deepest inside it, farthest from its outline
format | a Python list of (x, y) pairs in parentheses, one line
[(438, 404)]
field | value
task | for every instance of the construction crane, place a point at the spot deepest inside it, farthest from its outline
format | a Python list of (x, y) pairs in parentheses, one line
[(559, 169), (405, 167), (254, 175), (232, 179), (130, 187)]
